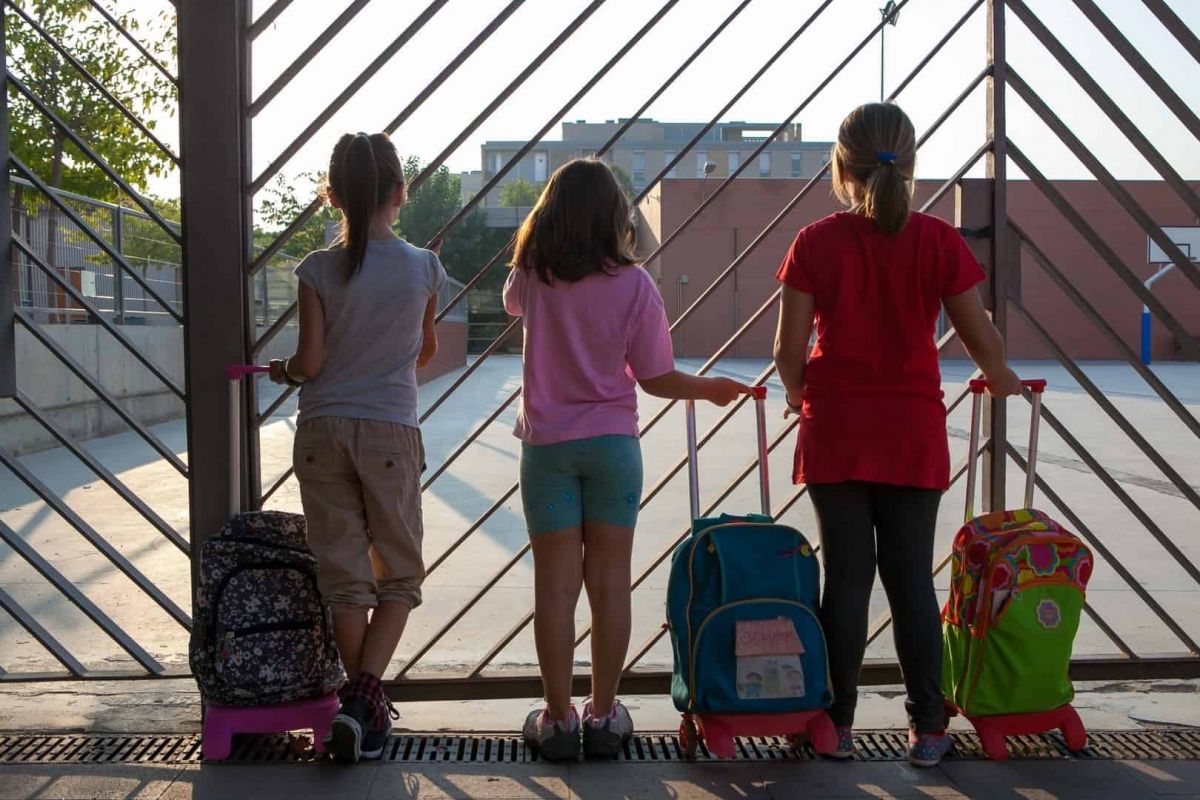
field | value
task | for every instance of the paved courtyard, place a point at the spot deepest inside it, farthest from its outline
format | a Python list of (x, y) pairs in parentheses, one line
[(488, 469)]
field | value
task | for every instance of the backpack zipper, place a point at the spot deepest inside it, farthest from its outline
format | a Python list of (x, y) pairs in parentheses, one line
[(263, 565)]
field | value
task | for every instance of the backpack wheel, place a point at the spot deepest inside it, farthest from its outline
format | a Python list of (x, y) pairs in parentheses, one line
[(1072, 729), (689, 739)]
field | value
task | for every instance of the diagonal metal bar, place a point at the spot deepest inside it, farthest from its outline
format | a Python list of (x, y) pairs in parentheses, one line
[(105, 396), (351, 89), (1140, 65), (302, 60), (1130, 430), (469, 371), (92, 463), (1123, 123), (276, 327), (745, 164), (133, 40), (1116, 489), (304, 216), (277, 484), (1182, 33), (95, 83), (1106, 179), (937, 48), (533, 141), (507, 91), (275, 405), (267, 17), (1114, 563), (476, 525), (118, 259), (92, 156), (56, 278), (43, 636), (118, 560), (482, 272), (78, 599), (475, 434), (1055, 274), (1106, 253)]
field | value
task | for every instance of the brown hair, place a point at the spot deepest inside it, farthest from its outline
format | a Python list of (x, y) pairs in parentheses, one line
[(580, 225), (364, 171), (873, 163)]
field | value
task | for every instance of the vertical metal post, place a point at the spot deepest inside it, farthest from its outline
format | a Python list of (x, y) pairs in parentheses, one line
[(995, 409), (118, 275), (8, 342), (216, 229)]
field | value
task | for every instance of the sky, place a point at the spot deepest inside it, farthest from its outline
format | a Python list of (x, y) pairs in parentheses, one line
[(714, 78)]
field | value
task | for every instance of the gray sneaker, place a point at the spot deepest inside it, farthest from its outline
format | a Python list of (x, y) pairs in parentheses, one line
[(604, 736), (553, 740)]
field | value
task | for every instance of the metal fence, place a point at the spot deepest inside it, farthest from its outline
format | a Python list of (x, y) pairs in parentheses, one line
[(222, 268)]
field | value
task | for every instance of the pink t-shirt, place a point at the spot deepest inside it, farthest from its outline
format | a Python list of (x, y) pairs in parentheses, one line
[(586, 345)]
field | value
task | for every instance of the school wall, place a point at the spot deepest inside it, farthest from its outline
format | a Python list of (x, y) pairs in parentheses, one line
[(739, 214)]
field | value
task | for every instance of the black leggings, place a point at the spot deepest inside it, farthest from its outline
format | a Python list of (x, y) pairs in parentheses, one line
[(862, 524)]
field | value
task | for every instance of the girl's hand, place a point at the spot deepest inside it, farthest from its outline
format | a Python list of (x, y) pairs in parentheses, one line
[(277, 375), (792, 406), (1004, 383), (723, 391)]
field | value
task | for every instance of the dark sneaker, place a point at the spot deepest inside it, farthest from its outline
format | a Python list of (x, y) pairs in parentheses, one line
[(553, 740), (352, 723), (375, 740), (605, 735), (845, 744), (927, 749)]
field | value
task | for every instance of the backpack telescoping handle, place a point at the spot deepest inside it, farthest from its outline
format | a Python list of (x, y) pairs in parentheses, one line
[(759, 394), (234, 374), (978, 386)]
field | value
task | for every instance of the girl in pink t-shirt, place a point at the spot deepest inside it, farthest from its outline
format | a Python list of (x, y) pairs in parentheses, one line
[(595, 329)]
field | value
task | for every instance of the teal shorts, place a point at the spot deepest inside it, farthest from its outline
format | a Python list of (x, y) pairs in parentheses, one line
[(594, 480)]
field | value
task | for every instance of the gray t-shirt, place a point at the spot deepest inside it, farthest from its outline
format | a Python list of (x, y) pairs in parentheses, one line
[(372, 331)]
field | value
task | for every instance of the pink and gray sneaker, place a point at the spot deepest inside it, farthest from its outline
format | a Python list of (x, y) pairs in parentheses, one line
[(605, 734), (927, 749), (553, 740)]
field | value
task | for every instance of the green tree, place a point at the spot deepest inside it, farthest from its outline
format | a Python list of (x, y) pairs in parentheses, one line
[(623, 178), (520, 193), (101, 50)]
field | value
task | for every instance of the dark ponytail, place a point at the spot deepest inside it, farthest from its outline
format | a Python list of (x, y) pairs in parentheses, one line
[(363, 173), (873, 164)]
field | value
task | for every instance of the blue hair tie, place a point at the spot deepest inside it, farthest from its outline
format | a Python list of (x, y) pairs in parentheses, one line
[(886, 157)]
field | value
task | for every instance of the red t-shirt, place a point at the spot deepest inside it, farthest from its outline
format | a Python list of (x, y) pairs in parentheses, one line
[(873, 391)]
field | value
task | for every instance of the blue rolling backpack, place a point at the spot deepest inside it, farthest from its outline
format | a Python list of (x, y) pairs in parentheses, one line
[(742, 600)]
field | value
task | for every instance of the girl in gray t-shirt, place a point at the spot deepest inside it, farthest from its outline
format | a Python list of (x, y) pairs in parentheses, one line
[(367, 309)]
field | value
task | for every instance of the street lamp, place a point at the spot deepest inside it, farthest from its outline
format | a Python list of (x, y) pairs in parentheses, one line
[(890, 16)]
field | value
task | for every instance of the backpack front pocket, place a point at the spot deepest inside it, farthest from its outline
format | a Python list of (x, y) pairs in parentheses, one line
[(1025, 655), (763, 682)]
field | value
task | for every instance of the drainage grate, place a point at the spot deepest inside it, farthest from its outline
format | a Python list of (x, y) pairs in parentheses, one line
[(1172, 744)]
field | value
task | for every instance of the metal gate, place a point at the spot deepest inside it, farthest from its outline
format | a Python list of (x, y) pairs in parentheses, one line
[(470, 639)]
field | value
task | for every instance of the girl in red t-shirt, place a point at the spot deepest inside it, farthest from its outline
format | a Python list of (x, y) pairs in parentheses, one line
[(872, 445)]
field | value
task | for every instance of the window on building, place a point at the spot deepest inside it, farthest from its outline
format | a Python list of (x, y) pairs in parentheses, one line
[(639, 168), (668, 157), (495, 163), (539, 167), (764, 165), (732, 159), (797, 165), (701, 160)]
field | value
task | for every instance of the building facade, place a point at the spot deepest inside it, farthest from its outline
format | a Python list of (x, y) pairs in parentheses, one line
[(649, 146), (737, 216)]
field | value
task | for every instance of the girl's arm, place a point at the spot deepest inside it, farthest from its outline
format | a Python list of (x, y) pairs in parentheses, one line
[(310, 352), (984, 343), (676, 385), (796, 313), (428, 333)]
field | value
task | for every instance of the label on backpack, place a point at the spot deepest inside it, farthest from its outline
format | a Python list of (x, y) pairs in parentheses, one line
[(768, 659)]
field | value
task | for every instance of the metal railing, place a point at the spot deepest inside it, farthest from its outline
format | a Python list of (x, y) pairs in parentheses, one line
[(223, 272)]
